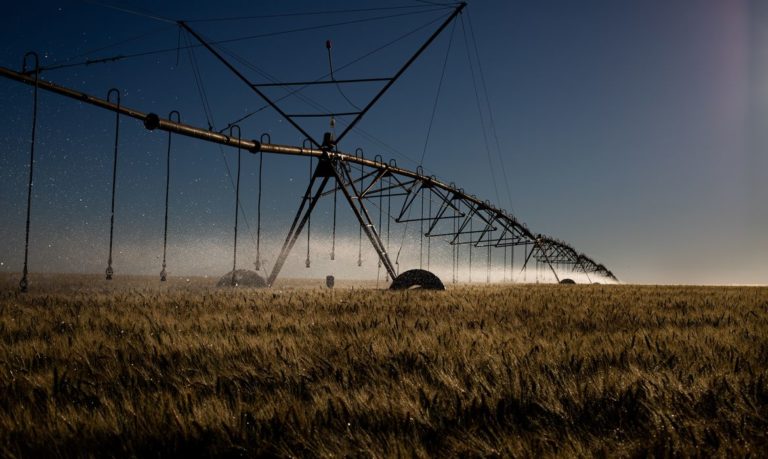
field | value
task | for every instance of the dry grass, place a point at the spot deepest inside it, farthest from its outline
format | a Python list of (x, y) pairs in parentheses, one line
[(90, 368)]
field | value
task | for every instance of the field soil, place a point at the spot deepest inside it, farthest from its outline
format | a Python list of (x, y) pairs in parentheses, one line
[(136, 368)]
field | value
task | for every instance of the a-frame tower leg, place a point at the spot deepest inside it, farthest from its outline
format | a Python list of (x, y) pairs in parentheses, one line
[(308, 202), (346, 183), (325, 170)]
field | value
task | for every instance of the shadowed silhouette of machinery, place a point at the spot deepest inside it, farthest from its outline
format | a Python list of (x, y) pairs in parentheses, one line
[(461, 219)]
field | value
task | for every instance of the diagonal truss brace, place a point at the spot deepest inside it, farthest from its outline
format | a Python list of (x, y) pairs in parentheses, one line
[(357, 203), (309, 201), (358, 115), (325, 170), (244, 79)]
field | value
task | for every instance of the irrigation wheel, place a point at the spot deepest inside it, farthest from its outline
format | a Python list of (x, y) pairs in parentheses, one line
[(243, 278), (417, 278)]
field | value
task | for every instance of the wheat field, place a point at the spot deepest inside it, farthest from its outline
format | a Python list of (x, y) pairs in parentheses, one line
[(134, 368)]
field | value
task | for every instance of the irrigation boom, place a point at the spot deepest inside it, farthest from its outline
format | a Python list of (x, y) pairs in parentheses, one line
[(498, 228), (454, 218)]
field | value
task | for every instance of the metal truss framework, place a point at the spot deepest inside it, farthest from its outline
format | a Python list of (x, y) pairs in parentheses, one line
[(453, 215), (458, 217)]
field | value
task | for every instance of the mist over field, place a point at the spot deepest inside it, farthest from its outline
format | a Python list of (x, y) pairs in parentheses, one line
[(213, 257)]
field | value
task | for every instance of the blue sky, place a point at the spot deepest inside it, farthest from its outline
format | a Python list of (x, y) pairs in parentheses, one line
[(633, 130)]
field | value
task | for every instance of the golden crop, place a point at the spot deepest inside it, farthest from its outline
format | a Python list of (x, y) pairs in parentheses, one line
[(91, 368)]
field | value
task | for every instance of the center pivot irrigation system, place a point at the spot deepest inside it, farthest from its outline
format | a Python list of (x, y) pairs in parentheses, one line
[(451, 214)]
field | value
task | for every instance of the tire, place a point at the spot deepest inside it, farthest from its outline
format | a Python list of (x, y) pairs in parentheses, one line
[(243, 278), (417, 278)]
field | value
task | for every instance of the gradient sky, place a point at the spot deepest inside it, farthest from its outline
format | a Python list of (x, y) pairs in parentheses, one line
[(636, 131)]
